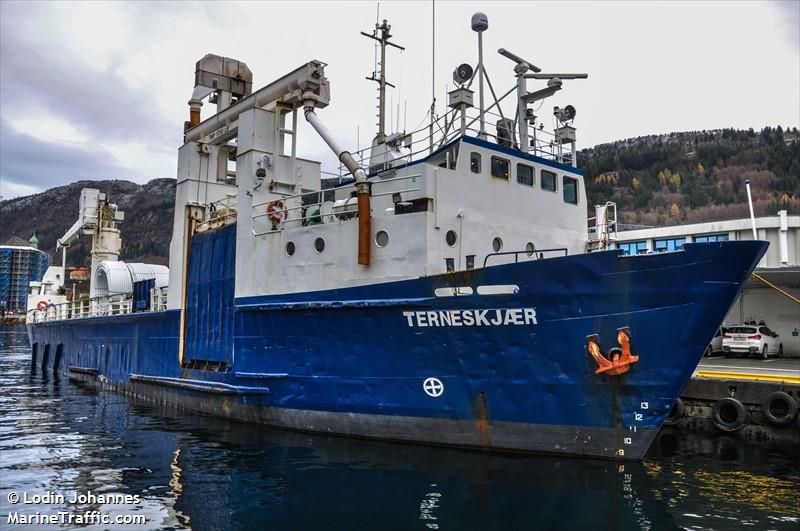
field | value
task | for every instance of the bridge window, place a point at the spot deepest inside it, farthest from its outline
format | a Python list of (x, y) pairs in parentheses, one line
[(475, 162), (548, 181), (525, 174), (500, 168), (710, 238), (570, 190), (633, 248), (671, 244)]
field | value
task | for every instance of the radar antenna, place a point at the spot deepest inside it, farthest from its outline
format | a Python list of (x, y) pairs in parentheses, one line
[(525, 98)]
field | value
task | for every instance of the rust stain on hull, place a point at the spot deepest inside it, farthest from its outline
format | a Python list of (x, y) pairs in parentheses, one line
[(483, 419)]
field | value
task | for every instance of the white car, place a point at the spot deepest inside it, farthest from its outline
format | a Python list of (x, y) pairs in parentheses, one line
[(746, 339), (716, 343)]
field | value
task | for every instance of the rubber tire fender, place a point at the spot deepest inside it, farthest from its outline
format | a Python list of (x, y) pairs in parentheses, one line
[(791, 403), (676, 413), (722, 424)]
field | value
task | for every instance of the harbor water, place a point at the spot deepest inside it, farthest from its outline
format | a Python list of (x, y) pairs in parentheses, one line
[(183, 471)]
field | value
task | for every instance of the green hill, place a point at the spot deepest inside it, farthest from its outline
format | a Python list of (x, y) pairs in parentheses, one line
[(695, 176)]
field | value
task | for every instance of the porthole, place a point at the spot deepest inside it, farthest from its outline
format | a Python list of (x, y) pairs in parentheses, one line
[(319, 245), (451, 238), (530, 248), (290, 248), (497, 244), (382, 238)]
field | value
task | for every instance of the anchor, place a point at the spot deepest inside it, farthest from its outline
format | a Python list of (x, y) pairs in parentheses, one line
[(621, 357)]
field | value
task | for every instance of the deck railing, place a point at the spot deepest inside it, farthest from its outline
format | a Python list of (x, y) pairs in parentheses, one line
[(83, 308), (421, 141), (311, 211)]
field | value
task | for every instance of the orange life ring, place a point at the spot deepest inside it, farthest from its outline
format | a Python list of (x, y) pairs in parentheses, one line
[(276, 211), (42, 306)]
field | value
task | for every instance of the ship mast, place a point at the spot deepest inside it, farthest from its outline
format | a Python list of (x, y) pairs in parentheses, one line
[(381, 35)]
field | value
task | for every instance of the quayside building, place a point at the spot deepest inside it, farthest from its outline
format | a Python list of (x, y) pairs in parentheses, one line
[(21, 263), (772, 293)]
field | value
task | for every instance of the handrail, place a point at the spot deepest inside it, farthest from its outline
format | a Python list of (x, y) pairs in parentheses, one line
[(117, 304), (537, 254), (543, 141), (375, 182)]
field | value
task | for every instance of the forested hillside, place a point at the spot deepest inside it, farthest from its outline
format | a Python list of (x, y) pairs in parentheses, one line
[(695, 176)]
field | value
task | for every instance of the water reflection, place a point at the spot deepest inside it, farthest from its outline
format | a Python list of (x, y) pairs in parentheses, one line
[(210, 474)]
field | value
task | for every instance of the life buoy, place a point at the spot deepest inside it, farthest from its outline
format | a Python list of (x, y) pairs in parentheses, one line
[(729, 414), (276, 211), (42, 306), (779, 408), (676, 413)]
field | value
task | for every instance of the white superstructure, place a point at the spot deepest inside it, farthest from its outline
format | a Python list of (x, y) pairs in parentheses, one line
[(442, 202)]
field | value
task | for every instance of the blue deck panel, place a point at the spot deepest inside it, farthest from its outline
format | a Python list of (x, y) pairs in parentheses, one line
[(209, 301)]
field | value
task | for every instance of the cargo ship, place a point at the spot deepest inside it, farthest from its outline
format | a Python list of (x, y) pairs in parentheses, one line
[(448, 289)]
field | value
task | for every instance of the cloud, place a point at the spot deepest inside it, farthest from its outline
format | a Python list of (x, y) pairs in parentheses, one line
[(28, 161), (68, 111), (788, 13), (97, 104)]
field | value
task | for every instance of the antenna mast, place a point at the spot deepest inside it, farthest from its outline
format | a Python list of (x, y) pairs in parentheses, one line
[(433, 74), (381, 35), (480, 23)]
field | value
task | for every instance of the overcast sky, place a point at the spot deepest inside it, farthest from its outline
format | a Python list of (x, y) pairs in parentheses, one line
[(99, 91)]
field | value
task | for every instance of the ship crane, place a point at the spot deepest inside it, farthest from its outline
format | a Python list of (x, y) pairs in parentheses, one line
[(99, 218)]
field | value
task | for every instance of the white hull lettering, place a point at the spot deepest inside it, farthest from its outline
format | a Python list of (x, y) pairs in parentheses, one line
[(497, 317)]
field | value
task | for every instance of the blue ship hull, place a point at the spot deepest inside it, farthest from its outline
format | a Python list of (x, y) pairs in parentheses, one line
[(506, 372)]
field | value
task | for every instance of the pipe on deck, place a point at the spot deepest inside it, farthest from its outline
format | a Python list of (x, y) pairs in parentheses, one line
[(362, 186)]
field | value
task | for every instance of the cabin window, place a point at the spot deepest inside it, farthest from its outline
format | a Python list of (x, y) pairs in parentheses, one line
[(671, 244), (548, 181), (633, 248), (475, 162), (382, 238), (319, 245), (497, 244), (451, 238), (290, 248), (570, 190), (530, 248), (525, 174), (710, 238), (500, 168)]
